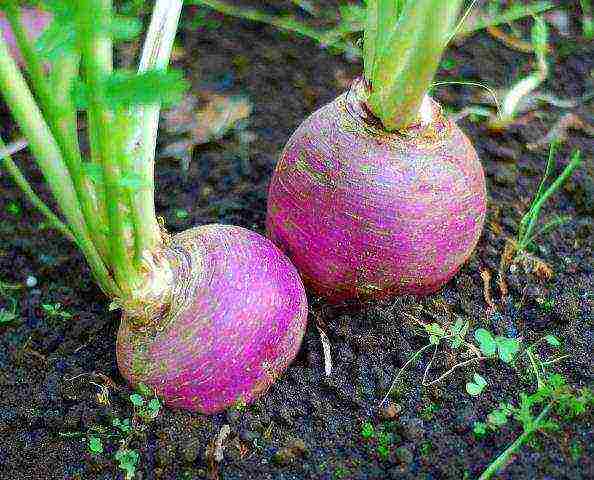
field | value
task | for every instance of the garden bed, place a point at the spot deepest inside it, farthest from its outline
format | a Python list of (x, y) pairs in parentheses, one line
[(54, 361)]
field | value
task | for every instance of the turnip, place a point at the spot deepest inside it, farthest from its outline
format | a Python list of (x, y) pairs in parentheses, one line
[(210, 316), (378, 193)]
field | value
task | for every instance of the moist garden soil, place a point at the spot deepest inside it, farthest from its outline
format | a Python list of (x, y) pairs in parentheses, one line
[(59, 378)]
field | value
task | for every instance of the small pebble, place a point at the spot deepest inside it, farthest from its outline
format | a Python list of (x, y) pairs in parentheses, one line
[(31, 281), (390, 411)]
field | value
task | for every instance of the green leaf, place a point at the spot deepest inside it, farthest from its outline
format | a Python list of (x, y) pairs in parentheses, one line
[(154, 406), (125, 426), (128, 459), (383, 451), (367, 430), (477, 387), (95, 445), (456, 342), (433, 339), (524, 413), (124, 89), (507, 348), (480, 429), (464, 330), (479, 379), (552, 340), (486, 342), (457, 327), (556, 381), (55, 41), (497, 418), (136, 400), (435, 329), (144, 390), (540, 37)]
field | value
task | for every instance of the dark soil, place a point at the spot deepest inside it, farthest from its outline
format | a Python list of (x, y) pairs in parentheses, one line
[(308, 425)]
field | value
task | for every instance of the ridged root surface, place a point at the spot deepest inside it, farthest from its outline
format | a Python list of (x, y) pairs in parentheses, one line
[(363, 213), (235, 320)]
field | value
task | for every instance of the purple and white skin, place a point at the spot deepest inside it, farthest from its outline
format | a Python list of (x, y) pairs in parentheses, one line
[(229, 316), (364, 213)]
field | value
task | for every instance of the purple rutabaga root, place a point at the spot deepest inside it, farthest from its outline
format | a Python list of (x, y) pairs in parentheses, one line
[(34, 22), (363, 213), (236, 319)]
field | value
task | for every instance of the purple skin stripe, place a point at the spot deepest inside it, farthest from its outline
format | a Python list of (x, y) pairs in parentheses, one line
[(243, 323), (34, 21), (367, 214)]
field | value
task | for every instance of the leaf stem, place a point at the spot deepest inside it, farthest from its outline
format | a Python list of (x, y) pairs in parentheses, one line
[(58, 109), (408, 362), (406, 63), (451, 370), (24, 185), (502, 459), (49, 158), (156, 54), (97, 61)]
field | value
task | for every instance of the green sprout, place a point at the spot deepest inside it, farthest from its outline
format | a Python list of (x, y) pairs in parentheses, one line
[(383, 438), (13, 209), (487, 347), (95, 445), (55, 310), (147, 410), (527, 232), (553, 396), (181, 214), (505, 348), (367, 430), (123, 426), (477, 386), (576, 450), (426, 448), (384, 441), (8, 315), (127, 461), (429, 410)]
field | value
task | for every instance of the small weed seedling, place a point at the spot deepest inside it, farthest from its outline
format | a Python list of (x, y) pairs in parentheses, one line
[(14, 209), (517, 250), (553, 397), (383, 437), (55, 310), (127, 461), (124, 431), (8, 314), (146, 411), (527, 232), (486, 347)]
